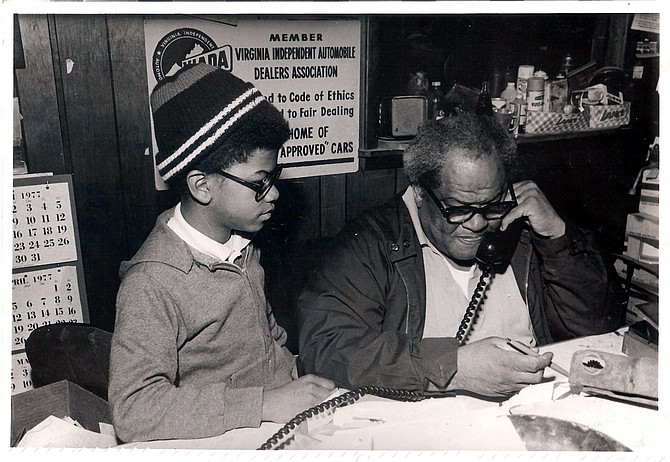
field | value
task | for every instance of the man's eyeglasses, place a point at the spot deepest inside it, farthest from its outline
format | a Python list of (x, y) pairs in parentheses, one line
[(261, 188), (459, 214)]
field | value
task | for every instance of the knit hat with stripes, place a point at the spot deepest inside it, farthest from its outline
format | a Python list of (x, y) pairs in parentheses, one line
[(196, 110)]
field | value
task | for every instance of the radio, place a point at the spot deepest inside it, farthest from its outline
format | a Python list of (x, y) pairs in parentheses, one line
[(400, 116)]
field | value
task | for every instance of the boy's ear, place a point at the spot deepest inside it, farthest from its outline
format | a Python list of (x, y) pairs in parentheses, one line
[(198, 186)]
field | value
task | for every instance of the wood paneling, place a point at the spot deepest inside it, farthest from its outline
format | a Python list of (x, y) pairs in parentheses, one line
[(88, 98), (141, 201), (333, 210), (39, 105), (300, 201), (367, 189), (617, 36)]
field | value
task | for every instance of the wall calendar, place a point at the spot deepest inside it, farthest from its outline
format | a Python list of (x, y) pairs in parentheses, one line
[(47, 274)]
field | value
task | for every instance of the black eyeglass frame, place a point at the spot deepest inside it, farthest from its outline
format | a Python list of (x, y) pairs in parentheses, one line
[(471, 211), (262, 187)]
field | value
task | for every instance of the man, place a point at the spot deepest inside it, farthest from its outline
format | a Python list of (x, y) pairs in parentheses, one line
[(388, 301), (196, 350)]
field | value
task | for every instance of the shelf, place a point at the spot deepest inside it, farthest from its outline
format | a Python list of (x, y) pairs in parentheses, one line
[(639, 289), (395, 148), (380, 152), (524, 138), (651, 268), (379, 159), (388, 153)]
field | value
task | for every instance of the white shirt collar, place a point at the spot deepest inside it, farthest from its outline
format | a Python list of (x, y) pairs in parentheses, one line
[(225, 252), (408, 199)]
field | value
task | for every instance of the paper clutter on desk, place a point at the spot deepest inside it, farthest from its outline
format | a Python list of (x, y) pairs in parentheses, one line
[(539, 393), (54, 432)]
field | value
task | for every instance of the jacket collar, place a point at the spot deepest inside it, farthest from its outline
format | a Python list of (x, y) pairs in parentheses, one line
[(521, 263), (405, 243), (164, 246)]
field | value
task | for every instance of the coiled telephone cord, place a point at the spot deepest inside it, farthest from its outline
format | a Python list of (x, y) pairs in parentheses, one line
[(342, 400), (473, 306)]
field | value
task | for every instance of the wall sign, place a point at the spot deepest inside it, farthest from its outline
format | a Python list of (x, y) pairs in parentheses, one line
[(647, 22), (47, 274), (309, 69)]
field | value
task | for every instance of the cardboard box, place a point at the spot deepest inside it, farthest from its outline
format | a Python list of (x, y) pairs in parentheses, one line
[(642, 225), (609, 116), (641, 340), (59, 399), (638, 347), (649, 191), (642, 249), (553, 122)]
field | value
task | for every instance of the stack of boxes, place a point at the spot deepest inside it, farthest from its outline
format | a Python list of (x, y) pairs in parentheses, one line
[(642, 227), (642, 236)]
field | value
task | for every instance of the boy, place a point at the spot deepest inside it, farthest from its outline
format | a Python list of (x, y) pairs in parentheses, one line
[(196, 350)]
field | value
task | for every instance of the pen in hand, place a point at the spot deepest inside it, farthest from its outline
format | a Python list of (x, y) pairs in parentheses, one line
[(523, 349)]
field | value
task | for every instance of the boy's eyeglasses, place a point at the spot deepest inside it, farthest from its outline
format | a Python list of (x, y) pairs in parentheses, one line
[(459, 214), (261, 188)]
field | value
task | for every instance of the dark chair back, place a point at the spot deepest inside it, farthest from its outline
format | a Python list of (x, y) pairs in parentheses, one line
[(70, 351)]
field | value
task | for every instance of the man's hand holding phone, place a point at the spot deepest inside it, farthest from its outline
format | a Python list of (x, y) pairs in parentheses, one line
[(539, 213)]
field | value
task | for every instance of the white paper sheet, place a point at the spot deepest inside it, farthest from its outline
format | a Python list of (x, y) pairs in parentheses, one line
[(53, 432)]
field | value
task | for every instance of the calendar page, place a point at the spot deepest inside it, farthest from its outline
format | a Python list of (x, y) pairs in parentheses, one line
[(21, 380), (44, 229), (43, 297)]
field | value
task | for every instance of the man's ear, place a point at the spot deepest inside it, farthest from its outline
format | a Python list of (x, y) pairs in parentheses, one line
[(198, 186)]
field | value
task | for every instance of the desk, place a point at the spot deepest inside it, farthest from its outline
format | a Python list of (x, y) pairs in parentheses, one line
[(457, 423)]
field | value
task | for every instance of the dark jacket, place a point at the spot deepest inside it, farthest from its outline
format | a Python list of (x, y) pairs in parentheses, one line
[(362, 313)]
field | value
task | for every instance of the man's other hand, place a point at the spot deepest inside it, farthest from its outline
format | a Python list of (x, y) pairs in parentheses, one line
[(489, 367), (534, 205), (285, 402)]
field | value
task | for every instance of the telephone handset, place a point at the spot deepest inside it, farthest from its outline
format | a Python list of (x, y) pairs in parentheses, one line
[(494, 255), (497, 247)]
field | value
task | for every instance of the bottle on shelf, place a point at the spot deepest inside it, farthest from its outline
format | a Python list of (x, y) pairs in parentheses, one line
[(535, 97), (520, 110), (509, 93), (436, 102), (525, 72), (567, 65), (484, 105), (496, 82)]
